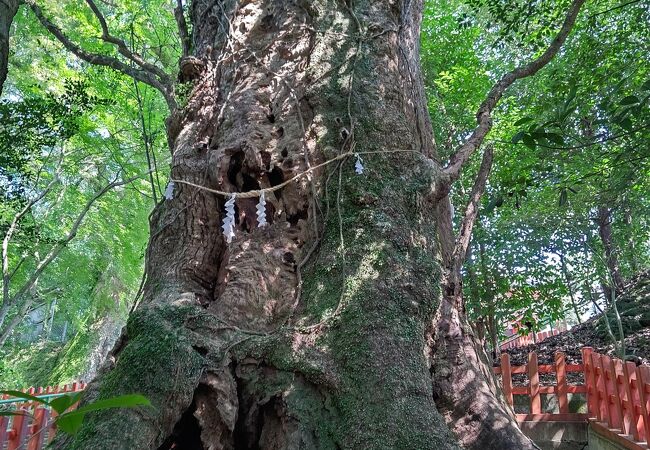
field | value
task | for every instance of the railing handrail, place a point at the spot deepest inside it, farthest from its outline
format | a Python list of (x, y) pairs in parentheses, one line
[(10, 400), (517, 340), (617, 393), (36, 428)]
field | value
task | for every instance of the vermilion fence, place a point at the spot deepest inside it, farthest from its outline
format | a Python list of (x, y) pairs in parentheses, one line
[(617, 394), (35, 429), (534, 390), (520, 341)]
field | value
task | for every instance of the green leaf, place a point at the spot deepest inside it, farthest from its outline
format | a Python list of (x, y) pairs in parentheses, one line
[(646, 86), (567, 112), (60, 404), (122, 401), (523, 121), (571, 96), (25, 396), (517, 137), (70, 422), (529, 141), (555, 138), (626, 124), (563, 198), (630, 100)]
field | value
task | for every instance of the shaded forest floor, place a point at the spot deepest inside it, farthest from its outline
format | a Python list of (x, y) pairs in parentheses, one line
[(634, 309)]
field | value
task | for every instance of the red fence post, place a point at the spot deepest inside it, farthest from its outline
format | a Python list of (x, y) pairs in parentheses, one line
[(603, 407), (561, 388), (611, 393), (631, 393), (590, 381), (506, 378), (18, 430), (643, 377), (617, 380), (622, 386), (4, 423), (51, 429), (533, 387), (39, 429)]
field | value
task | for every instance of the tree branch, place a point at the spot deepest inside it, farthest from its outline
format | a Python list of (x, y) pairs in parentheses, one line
[(471, 212), (484, 114), (58, 247), (123, 49), (186, 43), (6, 276), (146, 76)]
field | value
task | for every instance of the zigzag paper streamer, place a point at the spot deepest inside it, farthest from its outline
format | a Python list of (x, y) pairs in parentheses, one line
[(228, 226), (261, 212), (358, 165), (169, 191)]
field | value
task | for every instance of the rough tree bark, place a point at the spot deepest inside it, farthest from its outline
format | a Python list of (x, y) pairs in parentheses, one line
[(8, 9), (338, 325)]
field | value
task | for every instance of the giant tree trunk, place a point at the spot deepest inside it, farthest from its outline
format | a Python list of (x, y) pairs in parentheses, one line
[(323, 329)]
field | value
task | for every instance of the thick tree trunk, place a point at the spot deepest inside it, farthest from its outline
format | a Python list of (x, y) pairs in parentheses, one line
[(323, 329), (8, 9)]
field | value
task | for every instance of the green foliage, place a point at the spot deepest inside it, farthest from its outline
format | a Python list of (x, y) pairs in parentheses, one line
[(69, 420), (568, 140), (77, 127)]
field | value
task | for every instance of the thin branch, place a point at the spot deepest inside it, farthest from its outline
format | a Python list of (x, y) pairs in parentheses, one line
[(6, 276), (484, 114), (57, 248), (145, 141), (586, 145), (623, 5), (179, 15), (124, 50), (471, 212), (143, 75), (18, 266)]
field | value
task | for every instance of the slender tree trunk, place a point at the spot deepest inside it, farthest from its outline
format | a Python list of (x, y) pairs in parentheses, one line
[(8, 9), (324, 329), (6, 331), (632, 253), (604, 220), (569, 281), (48, 329)]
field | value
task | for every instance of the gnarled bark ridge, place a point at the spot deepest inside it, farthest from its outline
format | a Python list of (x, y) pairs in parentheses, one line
[(317, 330), (8, 9)]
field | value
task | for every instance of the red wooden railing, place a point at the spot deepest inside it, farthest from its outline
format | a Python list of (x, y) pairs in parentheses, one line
[(521, 341), (617, 394), (35, 429), (533, 390)]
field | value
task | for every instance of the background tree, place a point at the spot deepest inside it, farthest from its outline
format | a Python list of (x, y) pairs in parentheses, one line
[(58, 124), (554, 169)]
